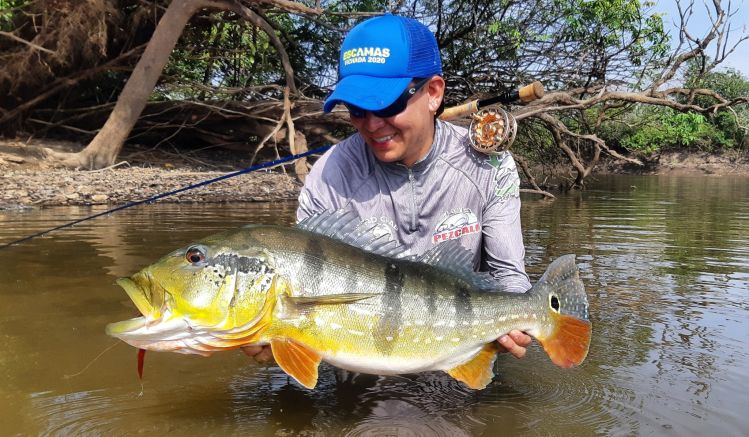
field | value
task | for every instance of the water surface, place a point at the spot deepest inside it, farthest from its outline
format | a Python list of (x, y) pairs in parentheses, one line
[(664, 260)]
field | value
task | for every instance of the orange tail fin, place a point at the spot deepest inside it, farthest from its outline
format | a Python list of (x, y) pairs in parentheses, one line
[(568, 343), (561, 294)]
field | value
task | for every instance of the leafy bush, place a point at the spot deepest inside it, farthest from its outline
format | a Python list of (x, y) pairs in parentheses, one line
[(668, 129)]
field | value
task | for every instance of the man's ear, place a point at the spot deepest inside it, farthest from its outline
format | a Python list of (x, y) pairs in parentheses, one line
[(436, 90)]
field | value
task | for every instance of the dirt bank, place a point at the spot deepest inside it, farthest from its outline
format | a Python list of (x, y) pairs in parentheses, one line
[(684, 163), (140, 173), (26, 181)]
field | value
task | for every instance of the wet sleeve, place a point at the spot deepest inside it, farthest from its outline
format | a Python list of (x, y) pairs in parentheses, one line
[(504, 252)]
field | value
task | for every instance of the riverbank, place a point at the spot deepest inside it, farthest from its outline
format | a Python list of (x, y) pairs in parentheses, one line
[(141, 173), (684, 163)]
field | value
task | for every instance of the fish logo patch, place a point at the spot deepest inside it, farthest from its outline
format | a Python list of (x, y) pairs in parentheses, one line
[(456, 224), (381, 226)]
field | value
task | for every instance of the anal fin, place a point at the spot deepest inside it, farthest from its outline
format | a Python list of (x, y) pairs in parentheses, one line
[(296, 360), (477, 372)]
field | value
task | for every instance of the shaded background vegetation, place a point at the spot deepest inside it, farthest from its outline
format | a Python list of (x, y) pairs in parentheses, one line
[(616, 84)]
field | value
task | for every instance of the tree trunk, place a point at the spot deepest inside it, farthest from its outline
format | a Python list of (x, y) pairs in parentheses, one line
[(106, 145)]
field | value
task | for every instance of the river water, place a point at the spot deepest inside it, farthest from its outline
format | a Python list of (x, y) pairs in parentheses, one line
[(665, 261)]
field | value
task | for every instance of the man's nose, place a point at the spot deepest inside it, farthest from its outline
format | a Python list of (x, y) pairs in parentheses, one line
[(372, 122)]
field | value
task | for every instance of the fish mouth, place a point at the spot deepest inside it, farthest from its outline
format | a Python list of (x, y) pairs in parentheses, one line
[(125, 327), (159, 329), (138, 295), (156, 329), (141, 296)]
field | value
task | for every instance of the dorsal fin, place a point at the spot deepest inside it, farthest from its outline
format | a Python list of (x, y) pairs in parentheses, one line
[(455, 259), (347, 227)]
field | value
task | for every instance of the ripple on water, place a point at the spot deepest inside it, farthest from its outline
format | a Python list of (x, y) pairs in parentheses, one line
[(430, 403), (571, 396), (79, 413)]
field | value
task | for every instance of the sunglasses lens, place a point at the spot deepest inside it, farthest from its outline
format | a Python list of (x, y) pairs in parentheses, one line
[(355, 111), (396, 108)]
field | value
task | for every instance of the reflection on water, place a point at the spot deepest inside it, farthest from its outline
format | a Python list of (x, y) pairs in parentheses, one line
[(665, 263)]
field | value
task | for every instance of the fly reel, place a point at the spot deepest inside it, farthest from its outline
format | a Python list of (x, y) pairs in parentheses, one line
[(492, 131)]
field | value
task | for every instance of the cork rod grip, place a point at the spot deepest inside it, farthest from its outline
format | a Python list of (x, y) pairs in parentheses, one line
[(460, 110), (531, 92)]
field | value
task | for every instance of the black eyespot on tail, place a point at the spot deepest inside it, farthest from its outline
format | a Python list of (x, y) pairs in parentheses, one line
[(554, 302)]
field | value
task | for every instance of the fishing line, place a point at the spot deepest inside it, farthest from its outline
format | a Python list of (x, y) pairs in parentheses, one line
[(92, 361), (156, 197)]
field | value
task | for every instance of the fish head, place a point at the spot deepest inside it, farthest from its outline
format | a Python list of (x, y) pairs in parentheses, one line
[(198, 299)]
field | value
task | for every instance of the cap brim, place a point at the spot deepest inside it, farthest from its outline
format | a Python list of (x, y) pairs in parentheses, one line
[(367, 92)]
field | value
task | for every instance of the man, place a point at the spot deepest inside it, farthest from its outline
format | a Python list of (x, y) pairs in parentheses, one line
[(415, 176)]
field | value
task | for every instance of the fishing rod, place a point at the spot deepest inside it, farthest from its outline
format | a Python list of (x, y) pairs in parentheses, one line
[(156, 197), (526, 94), (490, 132)]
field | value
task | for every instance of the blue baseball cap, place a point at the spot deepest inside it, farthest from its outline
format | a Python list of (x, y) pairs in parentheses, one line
[(379, 58)]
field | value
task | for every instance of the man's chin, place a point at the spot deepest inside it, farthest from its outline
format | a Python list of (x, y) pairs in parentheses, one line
[(385, 153)]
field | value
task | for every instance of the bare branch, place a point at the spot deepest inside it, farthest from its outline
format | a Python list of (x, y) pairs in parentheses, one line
[(28, 43)]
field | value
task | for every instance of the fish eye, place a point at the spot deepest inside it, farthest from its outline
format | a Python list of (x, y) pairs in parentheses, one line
[(195, 255), (554, 302)]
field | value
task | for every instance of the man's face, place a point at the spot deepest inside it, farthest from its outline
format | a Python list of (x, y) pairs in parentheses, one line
[(408, 136)]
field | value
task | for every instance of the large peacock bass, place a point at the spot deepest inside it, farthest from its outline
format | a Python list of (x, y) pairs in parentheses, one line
[(331, 290)]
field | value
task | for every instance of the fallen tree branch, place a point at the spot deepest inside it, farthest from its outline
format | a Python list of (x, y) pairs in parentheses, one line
[(28, 43), (531, 180)]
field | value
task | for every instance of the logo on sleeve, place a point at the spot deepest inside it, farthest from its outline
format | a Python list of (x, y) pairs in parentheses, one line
[(456, 224), (507, 181)]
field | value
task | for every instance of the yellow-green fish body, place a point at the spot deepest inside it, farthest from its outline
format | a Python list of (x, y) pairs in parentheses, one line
[(313, 297)]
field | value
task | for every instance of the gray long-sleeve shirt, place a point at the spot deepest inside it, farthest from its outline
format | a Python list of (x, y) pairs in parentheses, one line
[(454, 192)]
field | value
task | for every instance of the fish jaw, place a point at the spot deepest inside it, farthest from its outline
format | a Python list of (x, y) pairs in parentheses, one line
[(161, 336), (137, 294), (156, 330), (176, 335)]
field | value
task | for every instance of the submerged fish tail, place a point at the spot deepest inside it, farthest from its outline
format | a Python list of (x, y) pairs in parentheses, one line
[(566, 334)]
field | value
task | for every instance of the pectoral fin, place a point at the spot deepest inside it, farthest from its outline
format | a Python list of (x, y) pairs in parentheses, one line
[(331, 299), (477, 372), (297, 360), (294, 306)]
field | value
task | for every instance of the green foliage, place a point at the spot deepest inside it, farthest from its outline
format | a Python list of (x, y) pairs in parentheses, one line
[(612, 23), (730, 84), (7, 10), (487, 47), (228, 54), (650, 129), (666, 128)]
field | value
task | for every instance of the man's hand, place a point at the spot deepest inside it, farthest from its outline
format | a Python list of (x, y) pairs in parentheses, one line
[(261, 354), (515, 343)]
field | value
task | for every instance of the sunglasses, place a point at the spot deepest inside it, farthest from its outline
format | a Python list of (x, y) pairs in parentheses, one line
[(395, 108)]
